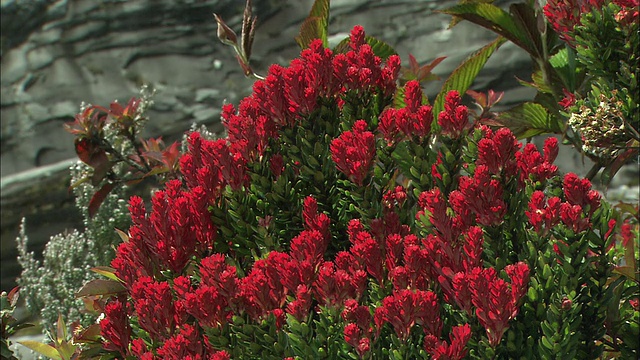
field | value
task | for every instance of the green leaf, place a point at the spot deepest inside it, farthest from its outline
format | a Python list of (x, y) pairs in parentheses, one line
[(561, 63), (529, 119), (495, 19), (101, 287), (315, 26), (105, 271), (43, 349), (464, 75), (380, 48)]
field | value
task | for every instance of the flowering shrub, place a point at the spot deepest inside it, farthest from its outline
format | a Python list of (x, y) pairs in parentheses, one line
[(585, 59), (344, 216), (331, 223)]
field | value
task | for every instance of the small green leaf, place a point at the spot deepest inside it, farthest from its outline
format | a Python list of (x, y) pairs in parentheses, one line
[(464, 75), (43, 349)]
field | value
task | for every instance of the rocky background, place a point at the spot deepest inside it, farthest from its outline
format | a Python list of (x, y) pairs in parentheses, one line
[(56, 54)]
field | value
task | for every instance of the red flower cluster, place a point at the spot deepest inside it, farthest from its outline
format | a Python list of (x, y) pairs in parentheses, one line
[(360, 70), (358, 331), (213, 164), (454, 119), (535, 166), (494, 312), (353, 152), (575, 212), (497, 151), (455, 349), (405, 308), (481, 195), (413, 121), (178, 228)]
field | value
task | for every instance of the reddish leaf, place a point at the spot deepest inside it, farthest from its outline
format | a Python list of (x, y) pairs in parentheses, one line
[(98, 198), (90, 334), (13, 295), (101, 287)]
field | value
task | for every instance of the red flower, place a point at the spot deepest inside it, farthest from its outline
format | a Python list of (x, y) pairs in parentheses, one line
[(248, 131), (498, 152), (353, 152), (454, 119), (482, 195), (405, 308), (213, 164), (153, 303), (414, 120), (299, 308), (178, 227), (572, 216), (564, 15), (495, 303), (315, 221), (367, 252), (455, 349), (185, 345), (568, 100), (578, 192), (335, 285), (115, 328), (543, 212), (536, 167)]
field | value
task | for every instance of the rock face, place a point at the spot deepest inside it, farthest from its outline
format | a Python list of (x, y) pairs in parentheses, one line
[(59, 53)]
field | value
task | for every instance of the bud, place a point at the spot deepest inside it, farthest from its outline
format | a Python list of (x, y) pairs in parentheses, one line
[(225, 34), (566, 304)]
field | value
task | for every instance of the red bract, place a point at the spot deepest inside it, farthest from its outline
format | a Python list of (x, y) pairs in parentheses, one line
[(213, 164), (414, 120), (262, 291), (153, 303), (177, 228), (435, 206), (249, 130), (495, 303), (406, 308), (578, 192), (367, 252), (353, 152), (115, 328), (564, 15), (359, 69), (543, 212), (482, 195), (535, 166), (334, 285), (315, 221), (185, 345), (455, 349), (498, 153), (269, 94), (454, 119), (573, 217), (299, 308)]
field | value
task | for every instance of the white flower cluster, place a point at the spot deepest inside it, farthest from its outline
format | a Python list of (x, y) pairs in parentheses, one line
[(603, 131)]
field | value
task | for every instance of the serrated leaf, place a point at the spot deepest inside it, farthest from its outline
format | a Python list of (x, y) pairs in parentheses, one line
[(380, 48), (495, 19), (101, 287), (529, 119), (560, 63), (315, 26), (43, 349), (464, 75)]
